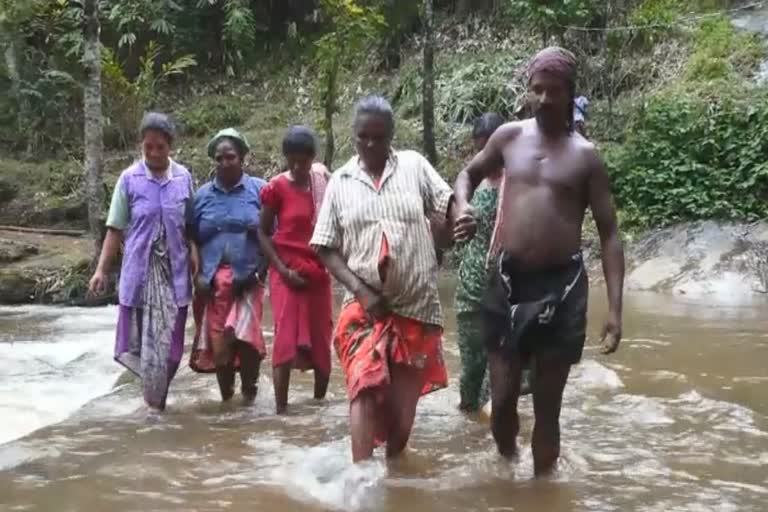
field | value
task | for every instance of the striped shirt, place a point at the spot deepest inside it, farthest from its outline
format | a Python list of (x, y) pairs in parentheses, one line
[(356, 215)]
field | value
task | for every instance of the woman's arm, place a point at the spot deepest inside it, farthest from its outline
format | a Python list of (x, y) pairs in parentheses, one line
[(266, 226), (109, 250), (265, 229), (194, 258)]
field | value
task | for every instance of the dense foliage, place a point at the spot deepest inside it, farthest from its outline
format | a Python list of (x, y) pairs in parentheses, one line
[(667, 89), (691, 156)]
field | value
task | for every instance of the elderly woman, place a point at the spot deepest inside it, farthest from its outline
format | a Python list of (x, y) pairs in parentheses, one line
[(373, 235), (149, 206), (299, 284), (229, 294)]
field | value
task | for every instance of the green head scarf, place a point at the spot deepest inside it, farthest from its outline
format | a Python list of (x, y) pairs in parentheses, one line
[(229, 133)]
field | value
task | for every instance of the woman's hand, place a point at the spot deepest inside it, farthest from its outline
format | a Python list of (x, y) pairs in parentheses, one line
[(372, 301), (98, 283), (293, 278)]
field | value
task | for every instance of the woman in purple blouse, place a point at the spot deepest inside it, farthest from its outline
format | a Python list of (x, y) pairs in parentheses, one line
[(148, 214)]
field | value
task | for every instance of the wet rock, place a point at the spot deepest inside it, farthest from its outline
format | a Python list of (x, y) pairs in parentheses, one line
[(42, 268), (11, 250), (17, 287), (721, 260), (755, 20)]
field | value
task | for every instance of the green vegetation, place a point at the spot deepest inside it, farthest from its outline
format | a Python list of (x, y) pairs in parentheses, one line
[(209, 113), (691, 155), (696, 149), (719, 52), (672, 100)]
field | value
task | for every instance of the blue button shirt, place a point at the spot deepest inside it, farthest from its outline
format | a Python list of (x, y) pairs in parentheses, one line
[(224, 224)]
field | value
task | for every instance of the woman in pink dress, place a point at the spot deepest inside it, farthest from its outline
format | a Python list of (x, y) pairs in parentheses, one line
[(299, 284)]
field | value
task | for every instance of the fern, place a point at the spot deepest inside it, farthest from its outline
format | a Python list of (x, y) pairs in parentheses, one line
[(126, 99)]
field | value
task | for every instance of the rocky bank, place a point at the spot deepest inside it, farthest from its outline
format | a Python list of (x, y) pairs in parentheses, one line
[(715, 261), (42, 268)]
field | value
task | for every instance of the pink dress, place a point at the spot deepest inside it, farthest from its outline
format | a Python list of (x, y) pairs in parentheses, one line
[(303, 318)]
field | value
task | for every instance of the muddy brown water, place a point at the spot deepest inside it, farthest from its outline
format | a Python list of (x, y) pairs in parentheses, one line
[(676, 421)]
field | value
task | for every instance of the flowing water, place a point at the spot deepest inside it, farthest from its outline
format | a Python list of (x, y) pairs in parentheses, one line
[(676, 421)]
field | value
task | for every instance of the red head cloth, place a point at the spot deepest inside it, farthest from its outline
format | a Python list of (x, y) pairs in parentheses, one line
[(555, 60)]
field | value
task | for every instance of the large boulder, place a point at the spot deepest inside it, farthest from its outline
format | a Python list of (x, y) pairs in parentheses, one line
[(720, 260)]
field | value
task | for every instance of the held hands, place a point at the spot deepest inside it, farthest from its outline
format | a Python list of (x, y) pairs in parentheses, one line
[(465, 226), (611, 335)]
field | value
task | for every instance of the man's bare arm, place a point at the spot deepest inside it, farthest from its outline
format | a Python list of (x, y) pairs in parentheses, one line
[(604, 213), (482, 165)]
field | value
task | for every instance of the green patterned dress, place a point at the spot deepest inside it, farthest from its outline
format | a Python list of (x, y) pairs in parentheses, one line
[(473, 382)]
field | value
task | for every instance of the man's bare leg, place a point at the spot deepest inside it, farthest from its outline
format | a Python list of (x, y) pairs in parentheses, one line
[(362, 422), (551, 376), (281, 379), (404, 392), (505, 391)]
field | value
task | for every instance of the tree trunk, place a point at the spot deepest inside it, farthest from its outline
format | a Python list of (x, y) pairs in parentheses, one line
[(12, 67), (428, 86), (463, 8), (93, 130), (330, 109)]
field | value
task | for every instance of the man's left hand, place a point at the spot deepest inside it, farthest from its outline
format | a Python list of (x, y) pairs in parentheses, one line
[(465, 226), (611, 335)]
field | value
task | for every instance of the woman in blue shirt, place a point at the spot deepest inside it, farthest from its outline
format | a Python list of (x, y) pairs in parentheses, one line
[(229, 290)]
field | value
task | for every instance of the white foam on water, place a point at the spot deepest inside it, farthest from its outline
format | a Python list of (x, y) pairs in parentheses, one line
[(591, 375), (322, 474), (722, 416), (637, 409), (44, 380)]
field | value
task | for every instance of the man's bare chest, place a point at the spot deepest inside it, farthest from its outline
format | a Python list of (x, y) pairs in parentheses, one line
[(561, 171)]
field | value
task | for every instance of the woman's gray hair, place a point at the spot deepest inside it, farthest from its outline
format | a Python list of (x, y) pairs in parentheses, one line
[(158, 122), (377, 105)]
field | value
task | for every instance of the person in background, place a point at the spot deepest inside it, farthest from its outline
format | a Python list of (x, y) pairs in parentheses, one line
[(373, 235), (580, 104), (299, 284), (149, 206), (536, 300), (229, 291)]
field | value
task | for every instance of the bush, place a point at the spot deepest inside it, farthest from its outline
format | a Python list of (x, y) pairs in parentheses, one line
[(720, 51), (466, 88), (693, 155), (211, 114)]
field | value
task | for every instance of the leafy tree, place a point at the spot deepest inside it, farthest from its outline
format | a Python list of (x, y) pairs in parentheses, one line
[(351, 30), (552, 17)]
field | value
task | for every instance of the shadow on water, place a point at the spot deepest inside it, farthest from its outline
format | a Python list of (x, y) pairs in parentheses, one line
[(677, 420)]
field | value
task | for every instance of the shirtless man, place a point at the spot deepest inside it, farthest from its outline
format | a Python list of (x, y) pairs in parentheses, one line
[(537, 298)]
